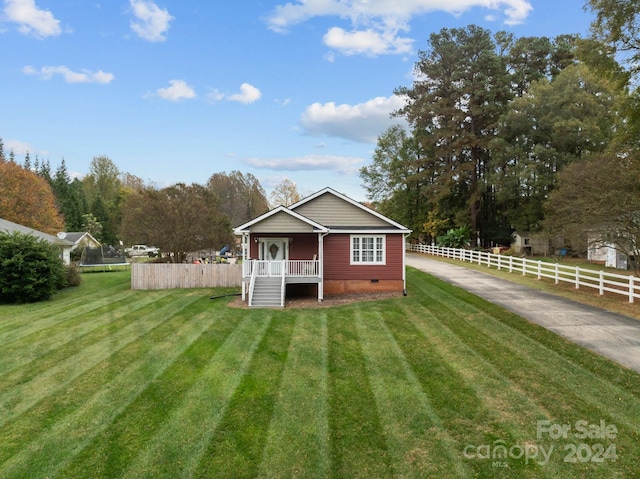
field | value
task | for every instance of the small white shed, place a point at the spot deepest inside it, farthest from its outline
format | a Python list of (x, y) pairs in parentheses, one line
[(606, 253)]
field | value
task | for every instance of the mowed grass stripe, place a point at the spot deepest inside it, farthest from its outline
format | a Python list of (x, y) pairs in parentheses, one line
[(112, 451), (58, 406), (418, 442), (509, 408), (34, 345), (561, 389), (357, 439), (523, 355), (58, 444), (298, 437), (12, 316), (33, 325), (237, 447), (180, 444), (505, 413), (22, 396)]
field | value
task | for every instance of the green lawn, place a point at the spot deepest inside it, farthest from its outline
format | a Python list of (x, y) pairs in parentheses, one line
[(107, 382)]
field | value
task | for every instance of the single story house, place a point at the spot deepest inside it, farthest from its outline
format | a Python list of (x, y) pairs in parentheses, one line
[(59, 240), (326, 240), (80, 240)]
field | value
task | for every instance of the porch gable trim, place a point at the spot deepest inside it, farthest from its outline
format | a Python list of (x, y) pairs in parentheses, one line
[(317, 227)]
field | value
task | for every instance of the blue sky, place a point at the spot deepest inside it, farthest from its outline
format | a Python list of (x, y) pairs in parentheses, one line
[(176, 90)]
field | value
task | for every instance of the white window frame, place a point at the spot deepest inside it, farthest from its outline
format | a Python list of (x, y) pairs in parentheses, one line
[(382, 249)]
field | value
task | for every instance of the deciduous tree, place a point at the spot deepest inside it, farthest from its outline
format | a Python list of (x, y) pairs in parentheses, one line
[(555, 124), (600, 198), (397, 177), (27, 199), (241, 197), (178, 219), (618, 23), (285, 193), (103, 190)]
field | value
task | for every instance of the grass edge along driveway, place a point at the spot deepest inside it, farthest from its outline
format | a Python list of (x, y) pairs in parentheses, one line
[(108, 382)]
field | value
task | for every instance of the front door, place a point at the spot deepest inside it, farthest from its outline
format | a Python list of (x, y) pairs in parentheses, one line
[(274, 249)]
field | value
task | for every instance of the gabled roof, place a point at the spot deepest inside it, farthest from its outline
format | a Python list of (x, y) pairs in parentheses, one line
[(317, 227), (352, 202), (75, 237), (380, 223), (10, 227)]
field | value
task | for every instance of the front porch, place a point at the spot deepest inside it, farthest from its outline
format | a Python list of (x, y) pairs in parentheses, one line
[(264, 281)]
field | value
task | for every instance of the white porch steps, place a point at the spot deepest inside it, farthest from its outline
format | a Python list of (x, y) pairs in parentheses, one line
[(267, 292)]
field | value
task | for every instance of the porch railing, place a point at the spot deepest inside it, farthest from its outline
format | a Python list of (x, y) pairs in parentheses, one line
[(300, 268)]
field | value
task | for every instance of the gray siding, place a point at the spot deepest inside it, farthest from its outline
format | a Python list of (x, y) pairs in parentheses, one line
[(281, 223), (329, 210)]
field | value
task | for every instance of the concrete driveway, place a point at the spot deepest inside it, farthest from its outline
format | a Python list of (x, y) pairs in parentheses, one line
[(612, 335)]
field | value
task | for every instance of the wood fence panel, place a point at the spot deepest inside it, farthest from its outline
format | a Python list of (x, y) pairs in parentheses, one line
[(183, 275)]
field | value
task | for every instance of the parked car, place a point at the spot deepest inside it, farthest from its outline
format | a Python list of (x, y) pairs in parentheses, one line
[(142, 250)]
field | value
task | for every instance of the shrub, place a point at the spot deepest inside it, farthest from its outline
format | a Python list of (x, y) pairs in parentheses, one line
[(73, 275), (456, 238), (30, 268)]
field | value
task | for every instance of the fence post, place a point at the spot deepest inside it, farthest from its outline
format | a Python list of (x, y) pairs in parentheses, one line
[(510, 264), (577, 277), (557, 276), (601, 283), (631, 287), (539, 269), (499, 263)]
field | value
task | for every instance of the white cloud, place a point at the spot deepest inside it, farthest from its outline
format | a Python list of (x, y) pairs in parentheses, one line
[(84, 76), (151, 22), (368, 42), (363, 122), (342, 164), (177, 90), (248, 94), (377, 23), (215, 95), (31, 19), (19, 148)]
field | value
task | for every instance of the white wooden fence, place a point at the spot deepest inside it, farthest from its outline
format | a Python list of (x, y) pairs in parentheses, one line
[(623, 284), (184, 275)]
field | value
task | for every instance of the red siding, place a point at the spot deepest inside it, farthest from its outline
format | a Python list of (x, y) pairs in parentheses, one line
[(336, 256), (336, 259), (303, 246)]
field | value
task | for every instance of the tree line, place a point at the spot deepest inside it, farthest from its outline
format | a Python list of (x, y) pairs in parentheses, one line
[(115, 206), (509, 134)]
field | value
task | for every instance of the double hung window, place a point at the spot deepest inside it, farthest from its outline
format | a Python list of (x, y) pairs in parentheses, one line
[(367, 249)]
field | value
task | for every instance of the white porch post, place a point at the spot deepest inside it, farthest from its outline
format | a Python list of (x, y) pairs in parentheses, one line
[(404, 263), (245, 258), (321, 266)]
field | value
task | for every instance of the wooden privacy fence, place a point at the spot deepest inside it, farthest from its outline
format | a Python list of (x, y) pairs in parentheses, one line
[(183, 275), (623, 284)]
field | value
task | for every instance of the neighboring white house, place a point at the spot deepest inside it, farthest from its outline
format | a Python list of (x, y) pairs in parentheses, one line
[(80, 240), (65, 246)]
